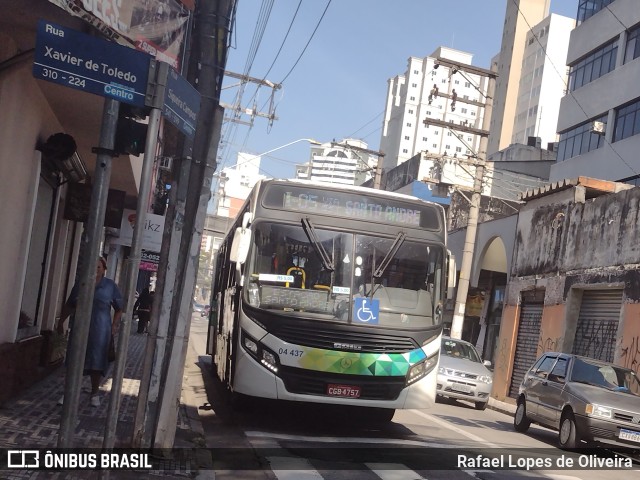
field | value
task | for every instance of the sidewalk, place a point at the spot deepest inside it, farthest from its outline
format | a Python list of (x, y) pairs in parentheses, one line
[(32, 419)]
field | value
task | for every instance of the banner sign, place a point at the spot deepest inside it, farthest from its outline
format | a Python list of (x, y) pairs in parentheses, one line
[(91, 64), (157, 27), (149, 261), (151, 234)]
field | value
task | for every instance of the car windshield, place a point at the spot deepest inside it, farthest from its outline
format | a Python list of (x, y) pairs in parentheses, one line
[(606, 376), (453, 348)]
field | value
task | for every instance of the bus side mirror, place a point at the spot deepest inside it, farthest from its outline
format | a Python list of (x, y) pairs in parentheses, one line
[(240, 245), (451, 274)]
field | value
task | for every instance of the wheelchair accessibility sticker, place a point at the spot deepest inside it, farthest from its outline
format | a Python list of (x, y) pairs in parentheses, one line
[(366, 310)]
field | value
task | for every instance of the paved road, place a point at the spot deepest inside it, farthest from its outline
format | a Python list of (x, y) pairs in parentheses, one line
[(291, 441)]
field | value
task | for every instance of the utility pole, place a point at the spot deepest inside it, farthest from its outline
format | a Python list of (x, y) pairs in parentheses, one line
[(156, 416), (472, 220), (377, 179)]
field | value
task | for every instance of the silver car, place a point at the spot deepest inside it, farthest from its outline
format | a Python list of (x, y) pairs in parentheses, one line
[(462, 374), (581, 398)]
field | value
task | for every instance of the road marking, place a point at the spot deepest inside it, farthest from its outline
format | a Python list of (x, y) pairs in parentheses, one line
[(393, 471), (479, 440), (307, 438), (293, 468)]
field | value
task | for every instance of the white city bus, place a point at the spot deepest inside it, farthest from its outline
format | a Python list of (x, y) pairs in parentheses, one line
[(332, 294)]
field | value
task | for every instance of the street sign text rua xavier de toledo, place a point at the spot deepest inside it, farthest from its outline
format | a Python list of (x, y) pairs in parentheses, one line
[(87, 63)]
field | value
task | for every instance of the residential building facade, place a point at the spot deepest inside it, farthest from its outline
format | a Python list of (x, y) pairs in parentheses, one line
[(412, 98), (519, 16), (343, 163), (542, 81)]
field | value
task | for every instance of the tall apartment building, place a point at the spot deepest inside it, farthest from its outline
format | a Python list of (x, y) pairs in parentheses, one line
[(599, 120), (520, 14), (543, 80), (404, 133), (336, 162)]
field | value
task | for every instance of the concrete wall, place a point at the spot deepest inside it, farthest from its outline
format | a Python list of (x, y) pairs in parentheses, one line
[(599, 233), (566, 245)]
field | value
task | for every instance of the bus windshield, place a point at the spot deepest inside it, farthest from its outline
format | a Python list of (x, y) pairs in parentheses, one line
[(323, 274)]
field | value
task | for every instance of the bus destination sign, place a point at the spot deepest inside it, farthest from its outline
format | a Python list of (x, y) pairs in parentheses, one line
[(352, 205)]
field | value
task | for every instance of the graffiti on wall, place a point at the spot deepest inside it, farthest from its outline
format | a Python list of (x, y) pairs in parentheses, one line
[(631, 355), (596, 339), (548, 345)]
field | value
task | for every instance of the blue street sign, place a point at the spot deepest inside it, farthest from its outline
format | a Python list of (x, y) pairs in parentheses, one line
[(90, 64), (181, 104)]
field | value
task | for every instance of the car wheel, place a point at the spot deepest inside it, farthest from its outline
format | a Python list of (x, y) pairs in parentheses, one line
[(567, 436), (481, 405), (520, 421)]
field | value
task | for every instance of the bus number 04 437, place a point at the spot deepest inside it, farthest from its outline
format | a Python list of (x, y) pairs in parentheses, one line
[(291, 353)]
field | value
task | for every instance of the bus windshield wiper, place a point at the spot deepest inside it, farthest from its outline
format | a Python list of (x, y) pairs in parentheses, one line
[(397, 243), (312, 235)]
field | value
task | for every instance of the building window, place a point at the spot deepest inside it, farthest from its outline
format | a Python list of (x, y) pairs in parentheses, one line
[(467, 84), (593, 66), (416, 72), (458, 149), (404, 150), (633, 45), (449, 134), (410, 111), (580, 140), (444, 80), (588, 8), (413, 99), (424, 139), (414, 85), (447, 147), (473, 114), (408, 124), (428, 112), (457, 82), (627, 121), (463, 110), (435, 145), (406, 137)]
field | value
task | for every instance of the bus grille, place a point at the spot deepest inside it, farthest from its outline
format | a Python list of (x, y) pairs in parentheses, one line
[(327, 338), (315, 383)]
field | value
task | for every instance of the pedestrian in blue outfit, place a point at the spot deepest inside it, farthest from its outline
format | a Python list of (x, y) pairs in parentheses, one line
[(102, 328)]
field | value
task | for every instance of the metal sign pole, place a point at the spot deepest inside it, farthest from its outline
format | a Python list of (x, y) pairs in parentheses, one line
[(89, 252), (133, 262)]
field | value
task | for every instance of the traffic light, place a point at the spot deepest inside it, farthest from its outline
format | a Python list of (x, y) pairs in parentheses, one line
[(131, 136)]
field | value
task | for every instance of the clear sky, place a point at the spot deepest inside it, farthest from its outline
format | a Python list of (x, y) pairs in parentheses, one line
[(337, 88)]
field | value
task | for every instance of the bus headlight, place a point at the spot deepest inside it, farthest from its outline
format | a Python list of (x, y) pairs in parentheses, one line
[(260, 353), (421, 369)]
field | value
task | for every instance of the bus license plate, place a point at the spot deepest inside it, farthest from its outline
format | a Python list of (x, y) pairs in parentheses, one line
[(349, 391), (629, 435)]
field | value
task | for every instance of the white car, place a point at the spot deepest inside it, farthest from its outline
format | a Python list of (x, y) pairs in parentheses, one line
[(462, 374)]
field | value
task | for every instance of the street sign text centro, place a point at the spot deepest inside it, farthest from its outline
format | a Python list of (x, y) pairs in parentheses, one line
[(91, 64)]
